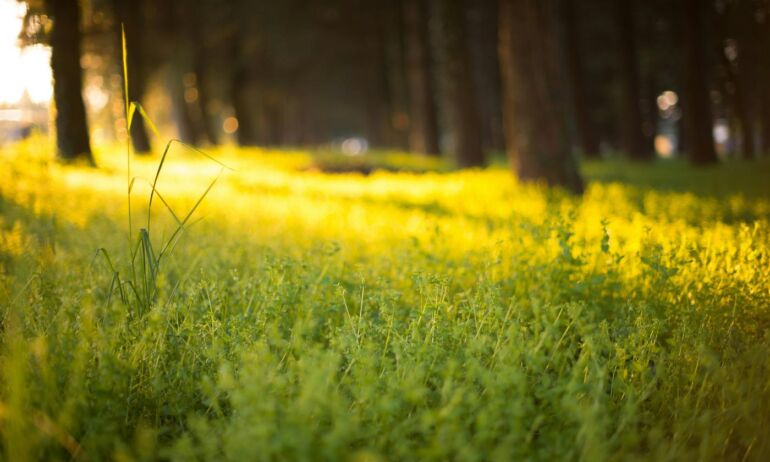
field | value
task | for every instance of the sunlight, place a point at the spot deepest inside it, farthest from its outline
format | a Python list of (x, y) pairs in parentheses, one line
[(31, 64)]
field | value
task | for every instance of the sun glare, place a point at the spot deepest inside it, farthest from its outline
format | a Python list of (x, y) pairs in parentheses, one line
[(24, 69)]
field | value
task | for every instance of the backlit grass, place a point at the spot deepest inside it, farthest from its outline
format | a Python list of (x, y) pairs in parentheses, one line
[(395, 316)]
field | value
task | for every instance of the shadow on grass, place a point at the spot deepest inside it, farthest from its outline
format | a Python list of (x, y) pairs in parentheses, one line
[(748, 178)]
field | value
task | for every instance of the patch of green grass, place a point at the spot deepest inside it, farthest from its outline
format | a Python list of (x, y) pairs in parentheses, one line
[(396, 316)]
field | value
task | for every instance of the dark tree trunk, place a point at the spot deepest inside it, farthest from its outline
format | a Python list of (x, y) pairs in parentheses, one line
[(243, 107), (765, 121), (632, 126), (129, 14), (174, 19), (273, 123), (698, 122), (194, 32), (483, 36), (376, 89), (179, 107), (395, 63), (764, 66), (533, 113), (243, 82), (745, 114), (210, 127), (71, 125), (458, 92), (589, 143), (746, 88), (423, 125)]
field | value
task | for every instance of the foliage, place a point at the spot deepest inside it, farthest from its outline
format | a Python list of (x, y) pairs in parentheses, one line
[(391, 317)]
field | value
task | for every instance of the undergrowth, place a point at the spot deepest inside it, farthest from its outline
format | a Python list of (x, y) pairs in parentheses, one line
[(397, 316)]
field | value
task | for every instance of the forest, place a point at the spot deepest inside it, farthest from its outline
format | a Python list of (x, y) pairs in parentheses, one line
[(384, 230)]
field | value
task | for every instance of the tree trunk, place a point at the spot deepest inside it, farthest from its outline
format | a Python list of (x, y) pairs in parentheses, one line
[(71, 125), (423, 125), (765, 151), (589, 143), (632, 127), (750, 60), (395, 64), (180, 109), (377, 101), (243, 85), (482, 37), (458, 92), (210, 126), (243, 108), (129, 14), (696, 107), (174, 18), (533, 114)]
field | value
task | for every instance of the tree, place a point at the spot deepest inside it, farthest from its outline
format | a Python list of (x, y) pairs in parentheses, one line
[(589, 143), (71, 125), (171, 19), (749, 60), (633, 137), (128, 14), (534, 125), (456, 77), (245, 61), (423, 125), (698, 123), (482, 38)]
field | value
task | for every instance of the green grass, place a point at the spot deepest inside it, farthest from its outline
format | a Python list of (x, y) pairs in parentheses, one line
[(395, 316)]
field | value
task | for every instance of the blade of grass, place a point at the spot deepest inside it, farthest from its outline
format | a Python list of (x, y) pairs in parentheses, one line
[(146, 118), (189, 214), (127, 107)]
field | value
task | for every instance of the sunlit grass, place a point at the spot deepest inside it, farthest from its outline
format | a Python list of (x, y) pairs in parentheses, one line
[(393, 316)]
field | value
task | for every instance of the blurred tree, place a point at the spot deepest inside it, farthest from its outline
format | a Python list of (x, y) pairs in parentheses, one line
[(71, 125), (597, 33), (589, 143), (423, 125), (245, 64), (482, 38), (130, 15), (747, 63), (535, 128), (171, 19), (634, 142), (458, 97), (698, 121)]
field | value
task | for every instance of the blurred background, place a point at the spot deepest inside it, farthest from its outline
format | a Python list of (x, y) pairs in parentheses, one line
[(628, 78)]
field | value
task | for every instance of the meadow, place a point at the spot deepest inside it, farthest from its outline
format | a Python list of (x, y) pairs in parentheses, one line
[(425, 314)]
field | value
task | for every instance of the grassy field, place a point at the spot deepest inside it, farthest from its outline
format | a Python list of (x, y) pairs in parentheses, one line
[(394, 316)]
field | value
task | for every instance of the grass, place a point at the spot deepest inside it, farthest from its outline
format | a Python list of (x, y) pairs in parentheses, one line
[(394, 316)]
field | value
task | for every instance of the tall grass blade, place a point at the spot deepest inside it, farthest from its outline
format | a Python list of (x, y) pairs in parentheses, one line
[(147, 119)]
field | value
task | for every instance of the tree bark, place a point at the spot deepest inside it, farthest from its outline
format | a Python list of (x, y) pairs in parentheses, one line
[(245, 58), (173, 20), (632, 126), (423, 124), (482, 37), (129, 14), (180, 109), (71, 124), (377, 101), (458, 92), (750, 58), (589, 143), (696, 111), (533, 113)]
